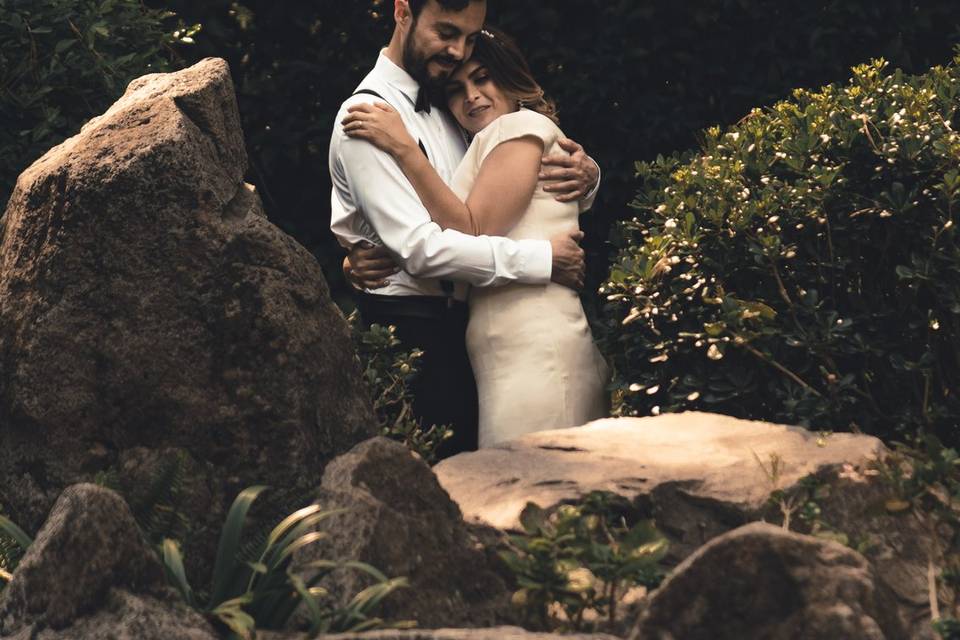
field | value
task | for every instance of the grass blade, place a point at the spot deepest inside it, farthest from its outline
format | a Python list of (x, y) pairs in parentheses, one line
[(19, 536), (173, 564), (313, 607), (226, 584)]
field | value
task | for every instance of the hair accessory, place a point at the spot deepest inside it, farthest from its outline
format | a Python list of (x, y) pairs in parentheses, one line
[(487, 33)]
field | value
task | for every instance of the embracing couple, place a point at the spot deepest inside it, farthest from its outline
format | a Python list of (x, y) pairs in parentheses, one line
[(458, 196)]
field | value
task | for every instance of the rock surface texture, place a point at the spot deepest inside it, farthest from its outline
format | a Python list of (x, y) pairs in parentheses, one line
[(760, 581), (698, 476), (89, 574), (146, 302), (493, 633), (696, 471), (401, 521)]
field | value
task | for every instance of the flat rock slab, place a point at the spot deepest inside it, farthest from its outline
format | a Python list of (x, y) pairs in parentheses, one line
[(707, 456)]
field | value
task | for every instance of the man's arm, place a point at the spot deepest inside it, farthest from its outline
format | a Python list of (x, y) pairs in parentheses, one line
[(575, 176), (388, 201)]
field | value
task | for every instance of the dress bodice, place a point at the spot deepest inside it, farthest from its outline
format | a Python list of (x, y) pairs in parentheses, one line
[(545, 217)]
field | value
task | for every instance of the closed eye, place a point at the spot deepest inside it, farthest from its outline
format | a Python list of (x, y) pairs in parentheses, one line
[(453, 89)]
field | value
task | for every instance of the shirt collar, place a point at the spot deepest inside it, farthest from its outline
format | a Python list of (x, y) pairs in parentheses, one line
[(397, 77)]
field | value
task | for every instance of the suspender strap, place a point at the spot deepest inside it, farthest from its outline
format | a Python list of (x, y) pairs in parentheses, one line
[(445, 285), (371, 92)]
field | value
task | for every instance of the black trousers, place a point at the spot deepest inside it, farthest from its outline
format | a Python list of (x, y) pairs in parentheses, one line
[(444, 391)]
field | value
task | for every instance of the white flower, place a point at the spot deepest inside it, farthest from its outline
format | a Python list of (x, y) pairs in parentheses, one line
[(670, 223)]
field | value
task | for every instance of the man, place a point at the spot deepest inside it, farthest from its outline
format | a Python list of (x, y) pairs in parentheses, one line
[(373, 202)]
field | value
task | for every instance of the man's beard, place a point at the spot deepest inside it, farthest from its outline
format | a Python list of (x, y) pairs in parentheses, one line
[(416, 65)]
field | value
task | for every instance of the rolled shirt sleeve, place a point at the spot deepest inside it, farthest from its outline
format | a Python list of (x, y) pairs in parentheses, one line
[(586, 202), (368, 180)]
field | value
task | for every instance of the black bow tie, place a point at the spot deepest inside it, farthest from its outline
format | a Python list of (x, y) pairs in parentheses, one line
[(423, 101)]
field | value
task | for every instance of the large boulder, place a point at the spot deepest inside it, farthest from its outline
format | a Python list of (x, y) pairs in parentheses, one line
[(699, 476), (147, 302), (398, 519), (760, 581), (89, 574), (492, 633)]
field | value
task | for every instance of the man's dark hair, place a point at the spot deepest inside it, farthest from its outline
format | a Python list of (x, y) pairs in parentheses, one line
[(416, 6)]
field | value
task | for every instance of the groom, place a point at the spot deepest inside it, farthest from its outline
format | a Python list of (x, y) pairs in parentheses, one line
[(373, 203)]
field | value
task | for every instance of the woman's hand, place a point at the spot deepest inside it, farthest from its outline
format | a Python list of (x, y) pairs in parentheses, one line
[(379, 124)]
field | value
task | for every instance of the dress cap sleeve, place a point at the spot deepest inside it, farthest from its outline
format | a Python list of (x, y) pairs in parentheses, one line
[(518, 124)]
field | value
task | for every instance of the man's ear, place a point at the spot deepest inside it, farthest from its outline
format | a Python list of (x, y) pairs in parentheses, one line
[(401, 12)]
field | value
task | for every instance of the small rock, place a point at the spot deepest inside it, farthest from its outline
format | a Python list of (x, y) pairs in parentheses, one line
[(760, 581), (493, 633), (402, 522), (88, 571)]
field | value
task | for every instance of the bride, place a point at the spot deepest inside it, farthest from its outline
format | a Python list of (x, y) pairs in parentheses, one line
[(530, 346)]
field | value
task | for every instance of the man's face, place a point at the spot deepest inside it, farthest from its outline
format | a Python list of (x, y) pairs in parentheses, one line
[(440, 40)]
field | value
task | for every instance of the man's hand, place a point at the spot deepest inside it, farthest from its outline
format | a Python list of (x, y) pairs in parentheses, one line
[(368, 266), (568, 259), (572, 176)]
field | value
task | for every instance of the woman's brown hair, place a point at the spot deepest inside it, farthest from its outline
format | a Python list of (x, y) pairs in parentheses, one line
[(509, 70)]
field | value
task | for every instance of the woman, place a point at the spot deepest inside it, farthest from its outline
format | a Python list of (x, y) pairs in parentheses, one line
[(530, 346)]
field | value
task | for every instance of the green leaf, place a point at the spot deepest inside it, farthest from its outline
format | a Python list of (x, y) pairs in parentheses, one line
[(16, 533), (532, 518), (228, 581), (231, 613), (173, 564)]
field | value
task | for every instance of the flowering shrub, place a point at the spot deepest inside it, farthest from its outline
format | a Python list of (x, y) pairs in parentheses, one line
[(803, 266)]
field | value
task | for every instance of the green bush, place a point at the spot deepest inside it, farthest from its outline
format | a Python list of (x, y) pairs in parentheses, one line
[(574, 564), (803, 267), (65, 61)]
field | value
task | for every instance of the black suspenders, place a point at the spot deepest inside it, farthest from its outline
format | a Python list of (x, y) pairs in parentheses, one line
[(445, 285), (371, 92)]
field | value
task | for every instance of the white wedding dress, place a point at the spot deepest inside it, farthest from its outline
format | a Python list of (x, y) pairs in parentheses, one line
[(530, 346)]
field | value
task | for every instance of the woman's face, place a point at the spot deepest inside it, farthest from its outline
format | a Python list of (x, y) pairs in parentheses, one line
[(474, 99)]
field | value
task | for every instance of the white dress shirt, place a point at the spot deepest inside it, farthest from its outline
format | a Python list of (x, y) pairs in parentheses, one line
[(373, 200)]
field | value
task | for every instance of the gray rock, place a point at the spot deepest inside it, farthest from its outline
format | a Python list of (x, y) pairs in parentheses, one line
[(89, 574), (697, 474), (125, 616), (402, 522), (147, 302), (897, 545), (493, 633), (697, 471), (760, 581)]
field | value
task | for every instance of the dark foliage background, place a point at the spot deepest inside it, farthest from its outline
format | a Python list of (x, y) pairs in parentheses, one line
[(633, 79)]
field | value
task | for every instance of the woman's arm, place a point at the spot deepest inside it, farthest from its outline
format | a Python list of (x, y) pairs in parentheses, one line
[(381, 125), (499, 197), (505, 185), (503, 188)]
